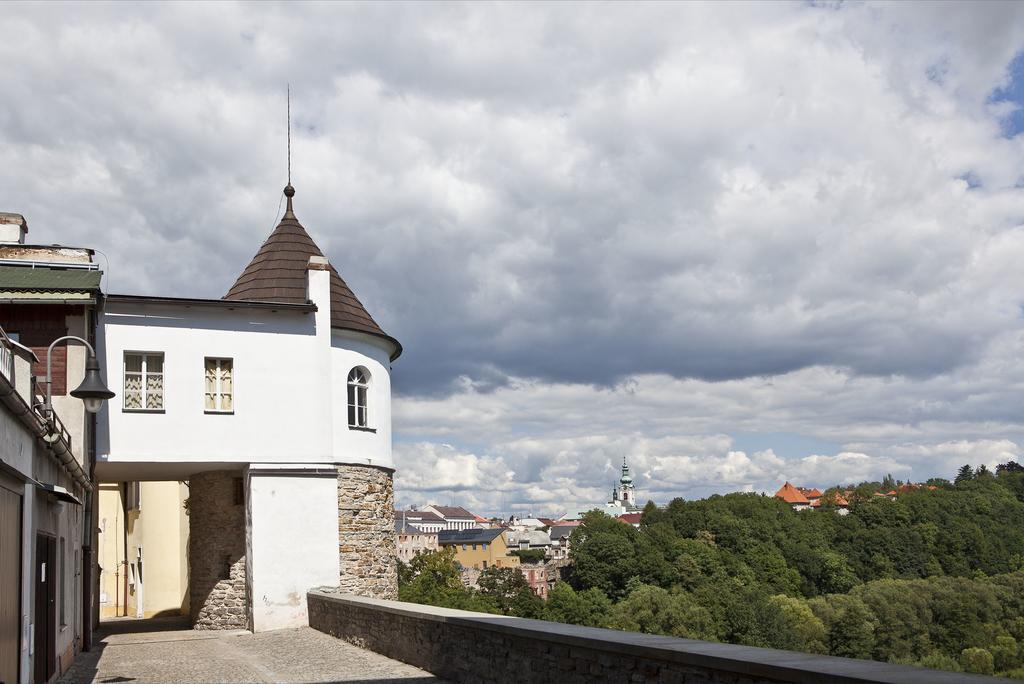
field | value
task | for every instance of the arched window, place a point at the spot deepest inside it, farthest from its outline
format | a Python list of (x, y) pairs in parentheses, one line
[(358, 387)]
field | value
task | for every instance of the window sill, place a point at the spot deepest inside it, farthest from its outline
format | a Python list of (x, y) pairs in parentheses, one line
[(128, 410), (219, 413), (362, 429)]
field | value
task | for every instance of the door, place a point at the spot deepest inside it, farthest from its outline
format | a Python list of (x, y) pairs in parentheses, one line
[(10, 585), (45, 655)]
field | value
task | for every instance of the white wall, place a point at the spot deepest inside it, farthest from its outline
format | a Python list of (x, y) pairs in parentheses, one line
[(292, 538), (286, 409), (359, 447)]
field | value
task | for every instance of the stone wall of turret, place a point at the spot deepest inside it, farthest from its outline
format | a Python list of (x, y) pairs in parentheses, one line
[(367, 543)]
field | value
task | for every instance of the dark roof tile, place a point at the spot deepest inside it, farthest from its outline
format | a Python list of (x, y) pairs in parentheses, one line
[(278, 274)]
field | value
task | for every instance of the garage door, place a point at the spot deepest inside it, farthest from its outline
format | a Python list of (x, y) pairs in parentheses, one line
[(10, 584)]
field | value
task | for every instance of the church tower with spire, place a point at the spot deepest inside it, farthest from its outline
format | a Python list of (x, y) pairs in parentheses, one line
[(624, 492)]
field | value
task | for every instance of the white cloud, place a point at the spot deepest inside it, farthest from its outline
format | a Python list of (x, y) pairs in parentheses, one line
[(597, 229)]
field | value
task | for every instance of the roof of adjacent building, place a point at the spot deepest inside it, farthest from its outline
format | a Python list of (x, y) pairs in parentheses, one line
[(631, 518), (44, 279), (454, 512), (811, 493), (406, 528), (420, 516), (534, 538), (189, 302), (470, 536), (559, 531), (791, 495), (278, 273)]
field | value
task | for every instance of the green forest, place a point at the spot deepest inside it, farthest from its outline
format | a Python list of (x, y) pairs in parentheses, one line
[(934, 578)]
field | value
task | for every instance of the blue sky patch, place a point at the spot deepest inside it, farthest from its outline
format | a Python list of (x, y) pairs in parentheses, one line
[(1012, 123)]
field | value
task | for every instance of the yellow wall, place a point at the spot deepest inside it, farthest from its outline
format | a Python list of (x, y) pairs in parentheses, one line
[(111, 550), (495, 554), (160, 528)]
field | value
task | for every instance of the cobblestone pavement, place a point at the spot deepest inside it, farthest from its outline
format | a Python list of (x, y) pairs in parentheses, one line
[(161, 651)]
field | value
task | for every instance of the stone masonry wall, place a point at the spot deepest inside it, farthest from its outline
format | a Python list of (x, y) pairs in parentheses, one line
[(216, 552), (493, 649), (367, 545)]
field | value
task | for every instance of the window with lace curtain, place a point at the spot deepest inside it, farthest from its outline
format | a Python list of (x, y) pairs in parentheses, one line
[(219, 386), (143, 381)]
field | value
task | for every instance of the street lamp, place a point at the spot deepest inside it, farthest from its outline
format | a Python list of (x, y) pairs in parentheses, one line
[(92, 391)]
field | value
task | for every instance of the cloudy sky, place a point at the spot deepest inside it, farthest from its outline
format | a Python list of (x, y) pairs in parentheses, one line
[(736, 244)]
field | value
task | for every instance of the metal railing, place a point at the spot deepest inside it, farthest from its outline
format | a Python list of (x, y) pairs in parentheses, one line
[(57, 428), (6, 356)]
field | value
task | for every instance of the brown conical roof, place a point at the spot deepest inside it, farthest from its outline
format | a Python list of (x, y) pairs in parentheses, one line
[(278, 274)]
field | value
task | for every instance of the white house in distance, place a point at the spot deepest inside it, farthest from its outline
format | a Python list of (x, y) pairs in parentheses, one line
[(274, 404), (455, 517)]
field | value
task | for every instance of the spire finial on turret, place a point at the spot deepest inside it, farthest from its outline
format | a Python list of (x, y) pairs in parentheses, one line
[(289, 191)]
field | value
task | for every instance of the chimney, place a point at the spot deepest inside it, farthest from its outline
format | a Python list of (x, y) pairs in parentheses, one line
[(12, 228)]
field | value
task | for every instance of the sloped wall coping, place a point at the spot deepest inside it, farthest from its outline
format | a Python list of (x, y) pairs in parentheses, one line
[(383, 626)]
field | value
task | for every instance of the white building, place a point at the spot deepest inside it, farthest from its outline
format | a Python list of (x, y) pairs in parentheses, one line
[(426, 521), (455, 517), (274, 403)]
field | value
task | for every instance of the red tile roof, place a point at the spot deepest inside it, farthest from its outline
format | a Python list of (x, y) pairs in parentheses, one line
[(630, 518), (834, 499), (791, 495)]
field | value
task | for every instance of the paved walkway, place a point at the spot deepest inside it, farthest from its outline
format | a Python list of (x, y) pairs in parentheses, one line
[(163, 650)]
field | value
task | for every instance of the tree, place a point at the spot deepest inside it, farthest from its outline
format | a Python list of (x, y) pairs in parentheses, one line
[(565, 604), (850, 625), (791, 625), (1005, 653), (529, 555), (982, 471), (977, 661), (965, 474), (654, 610), (434, 579), (511, 593), (1009, 467), (602, 550)]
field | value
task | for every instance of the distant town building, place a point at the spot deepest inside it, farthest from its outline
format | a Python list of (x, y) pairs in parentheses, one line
[(631, 519), (803, 498), (425, 521), (454, 517), (479, 549), (793, 496), (536, 575), (412, 541), (835, 500), (559, 534), (524, 540)]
